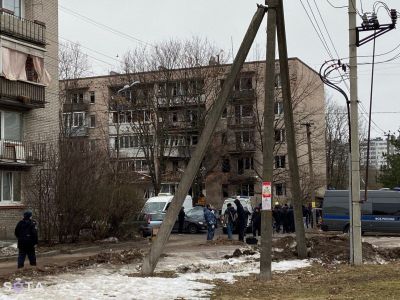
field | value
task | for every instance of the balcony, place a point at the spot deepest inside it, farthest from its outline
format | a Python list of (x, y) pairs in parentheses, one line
[(23, 154), (81, 131), (243, 94), (242, 147), (26, 30), (81, 106), (241, 122), (176, 101), (21, 94)]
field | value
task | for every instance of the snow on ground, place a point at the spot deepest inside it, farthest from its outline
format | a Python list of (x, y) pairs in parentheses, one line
[(114, 282), (8, 250)]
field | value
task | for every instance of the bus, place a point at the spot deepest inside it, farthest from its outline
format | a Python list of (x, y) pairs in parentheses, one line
[(380, 213)]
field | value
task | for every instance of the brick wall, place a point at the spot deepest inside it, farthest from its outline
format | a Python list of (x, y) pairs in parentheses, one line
[(9, 218)]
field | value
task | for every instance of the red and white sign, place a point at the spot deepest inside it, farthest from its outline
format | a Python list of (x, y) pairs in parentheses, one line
[(266, 203)]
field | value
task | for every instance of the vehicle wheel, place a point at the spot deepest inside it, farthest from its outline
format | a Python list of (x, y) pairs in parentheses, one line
[(192, 229), (346, 229)]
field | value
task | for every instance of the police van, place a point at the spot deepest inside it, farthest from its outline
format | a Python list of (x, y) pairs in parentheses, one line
[(379, 213)]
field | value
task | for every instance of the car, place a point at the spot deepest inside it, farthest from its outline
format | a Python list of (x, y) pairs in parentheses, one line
[(194, 220)]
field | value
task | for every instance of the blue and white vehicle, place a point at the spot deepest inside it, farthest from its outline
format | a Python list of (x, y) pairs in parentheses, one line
[(380, 213)]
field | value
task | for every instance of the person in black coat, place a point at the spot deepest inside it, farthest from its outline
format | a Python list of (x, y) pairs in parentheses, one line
[(181, 219), (27, 236), (256, 221), (241, 219)]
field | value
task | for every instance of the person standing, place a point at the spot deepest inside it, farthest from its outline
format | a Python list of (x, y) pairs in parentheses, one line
[(27, 236), (181, 219), (230, 217), (256, 222), (211, 222), (241, 219)]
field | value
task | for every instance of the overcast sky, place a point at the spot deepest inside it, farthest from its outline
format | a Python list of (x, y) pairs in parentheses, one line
[(224, 23)]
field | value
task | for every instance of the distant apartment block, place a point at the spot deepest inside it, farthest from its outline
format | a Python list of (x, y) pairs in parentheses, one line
[(171, 111), (29, 106), (378, 148)]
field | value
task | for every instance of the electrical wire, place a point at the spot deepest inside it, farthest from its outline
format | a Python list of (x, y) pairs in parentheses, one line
[(103, 26)]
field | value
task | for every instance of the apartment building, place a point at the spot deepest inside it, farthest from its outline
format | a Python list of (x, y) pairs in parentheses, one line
[(153, 123), (378, 148), (29, 106)]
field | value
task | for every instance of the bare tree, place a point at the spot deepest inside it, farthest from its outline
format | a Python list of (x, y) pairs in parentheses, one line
[(165, 111), (73, 62)]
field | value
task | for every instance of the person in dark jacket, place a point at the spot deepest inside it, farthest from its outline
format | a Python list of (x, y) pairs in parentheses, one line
[(211, 222), (256, 221), (241, 221), (230, 217), (27, 236), (181, 219)]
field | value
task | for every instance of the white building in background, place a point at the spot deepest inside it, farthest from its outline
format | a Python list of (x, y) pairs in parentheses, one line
[(378, 148)]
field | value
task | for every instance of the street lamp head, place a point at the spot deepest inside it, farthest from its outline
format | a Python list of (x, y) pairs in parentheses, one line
[(128, 86)]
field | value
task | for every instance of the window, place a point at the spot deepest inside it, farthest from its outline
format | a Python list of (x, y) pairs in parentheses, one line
[(11, 125), (10, 186), (31, 74), (175, 116), (278, 108), (92, 122), (246, 83), (245, 163), (280, 135), (12, 5), (246, 189), (244, 137), (280, 162), (280, 189), (92, 97), (141, 166), (78, 119), (226, 165), (244, 111), (115, 117), (278, 82), (128, 141)]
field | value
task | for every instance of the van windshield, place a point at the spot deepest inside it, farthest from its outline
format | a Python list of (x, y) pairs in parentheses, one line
[(150, 207)]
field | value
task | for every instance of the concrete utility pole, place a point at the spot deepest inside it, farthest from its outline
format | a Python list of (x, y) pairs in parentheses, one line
[(355, 222), (310, 168), (268, 137), (290, 134), (151, 259)]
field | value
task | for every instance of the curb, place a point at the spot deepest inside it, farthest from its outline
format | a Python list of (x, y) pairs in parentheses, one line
[(71, 251)]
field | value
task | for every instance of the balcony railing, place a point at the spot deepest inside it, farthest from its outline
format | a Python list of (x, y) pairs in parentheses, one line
[(18, 152), (175, 101), (30, 31), (242, 121), (242, 147), (76, 106), (243, 94), (24, 94)]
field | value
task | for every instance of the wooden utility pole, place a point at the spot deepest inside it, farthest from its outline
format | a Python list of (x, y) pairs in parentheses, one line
[(355, 205), (151, 259), (290, 133), (268, 138), (311, 169)]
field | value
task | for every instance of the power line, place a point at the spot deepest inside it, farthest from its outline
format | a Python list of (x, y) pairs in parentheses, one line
[(103, 26)]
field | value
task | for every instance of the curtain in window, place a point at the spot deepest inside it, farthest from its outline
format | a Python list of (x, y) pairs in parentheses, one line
[(13, 64), (43, 76)]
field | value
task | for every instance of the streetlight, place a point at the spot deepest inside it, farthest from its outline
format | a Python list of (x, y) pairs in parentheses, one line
[(128, 86)]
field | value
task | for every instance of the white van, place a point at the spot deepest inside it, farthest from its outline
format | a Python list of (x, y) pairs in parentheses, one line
[(246, 203), (160, 203)]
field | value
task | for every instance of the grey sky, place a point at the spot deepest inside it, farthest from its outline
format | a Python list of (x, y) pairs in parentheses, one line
[(223, 21)]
